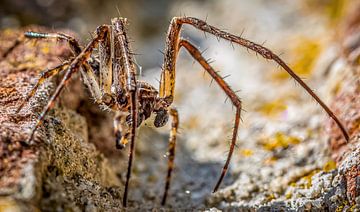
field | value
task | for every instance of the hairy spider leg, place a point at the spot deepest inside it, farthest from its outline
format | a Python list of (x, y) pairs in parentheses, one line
[(167, 82), (73, 43), (105, 57), (167, 89), (44, 75), (171, 150), (87, 72), (73, 67), (40, 35), (125, 60), (196, 54)]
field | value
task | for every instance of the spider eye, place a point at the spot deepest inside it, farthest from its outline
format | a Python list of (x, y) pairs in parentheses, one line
[(161, 118)]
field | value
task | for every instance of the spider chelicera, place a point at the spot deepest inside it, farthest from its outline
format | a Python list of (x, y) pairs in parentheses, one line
[(111, 78)]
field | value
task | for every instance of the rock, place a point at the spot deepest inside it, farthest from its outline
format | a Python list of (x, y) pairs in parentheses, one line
[(60, 169)]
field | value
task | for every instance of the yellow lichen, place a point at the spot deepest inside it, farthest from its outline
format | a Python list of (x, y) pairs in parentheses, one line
[(305, 181), (45, 49), (193, 122), (246, 152), (329, 166), (279, 141), (272, 108), (270, 197), (334, 10), (342, 206), (304, 54), (288, 195), (270, 160)]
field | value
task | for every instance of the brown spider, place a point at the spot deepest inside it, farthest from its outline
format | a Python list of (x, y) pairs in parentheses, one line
[(112, 81)]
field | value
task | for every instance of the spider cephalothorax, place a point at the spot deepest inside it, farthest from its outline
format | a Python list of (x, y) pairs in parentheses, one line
[(148, 103), (111, 79)]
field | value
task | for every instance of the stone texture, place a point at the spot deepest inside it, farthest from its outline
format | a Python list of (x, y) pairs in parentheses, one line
[(60, 169)]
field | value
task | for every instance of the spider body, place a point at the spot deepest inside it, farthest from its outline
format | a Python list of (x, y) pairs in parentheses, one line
[(148, 104), (112, 81)]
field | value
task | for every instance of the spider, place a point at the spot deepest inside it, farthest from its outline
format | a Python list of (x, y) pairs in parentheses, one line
[(112, 81)]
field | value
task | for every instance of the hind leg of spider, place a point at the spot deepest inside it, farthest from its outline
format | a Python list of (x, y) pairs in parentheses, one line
[(171, 150), (168, 75), (73, 67)]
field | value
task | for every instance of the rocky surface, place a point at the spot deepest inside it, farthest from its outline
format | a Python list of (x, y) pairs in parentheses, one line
[(58, 169)]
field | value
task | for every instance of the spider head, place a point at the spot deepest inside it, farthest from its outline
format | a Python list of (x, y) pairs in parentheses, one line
[(161, 118)]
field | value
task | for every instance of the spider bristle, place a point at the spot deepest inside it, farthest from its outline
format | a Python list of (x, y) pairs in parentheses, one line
[(202, 52), (157, 80), (210, 61), (60, 59), (211, 81), (242, 32), (226, 76), (204, 73), (161, 52), (236, 145), (91, 35), (231, 43)]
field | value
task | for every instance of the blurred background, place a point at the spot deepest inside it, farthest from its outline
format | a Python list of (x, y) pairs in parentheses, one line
[(276, 110), (149, 19)]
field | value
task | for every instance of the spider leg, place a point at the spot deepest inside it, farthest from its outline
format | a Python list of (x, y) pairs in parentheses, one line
[(134, 115), (168, 75), (171, 150), (196, 54), (105, 58), (73, 67), (44, 75), (124, 70), (86, 72), (90, 81), (74, 45), (88, 76)]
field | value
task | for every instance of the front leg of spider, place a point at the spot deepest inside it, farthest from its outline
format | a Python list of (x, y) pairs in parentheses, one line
[(73, 67)]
